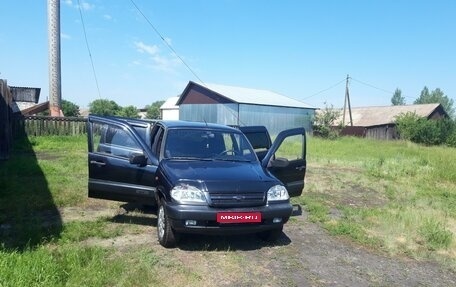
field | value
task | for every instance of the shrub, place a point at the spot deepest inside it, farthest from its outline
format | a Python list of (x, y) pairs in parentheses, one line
[(324, 124), (451, 140), (421, 130)]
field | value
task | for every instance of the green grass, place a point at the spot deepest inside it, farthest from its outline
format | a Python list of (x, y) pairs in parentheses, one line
[(37, 248), (396, 196), (70, 265)]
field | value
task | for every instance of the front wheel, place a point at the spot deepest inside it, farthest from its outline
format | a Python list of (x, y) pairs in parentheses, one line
[(167, 237)]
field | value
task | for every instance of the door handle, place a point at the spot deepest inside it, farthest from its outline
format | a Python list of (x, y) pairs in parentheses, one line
[(99, 163), (300, 168)]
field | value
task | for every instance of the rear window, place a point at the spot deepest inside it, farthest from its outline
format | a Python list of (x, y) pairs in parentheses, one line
[(258, 140)]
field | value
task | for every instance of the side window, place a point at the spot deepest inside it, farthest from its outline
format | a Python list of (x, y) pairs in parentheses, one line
[(157, 140), (113, 140), (291, 148)]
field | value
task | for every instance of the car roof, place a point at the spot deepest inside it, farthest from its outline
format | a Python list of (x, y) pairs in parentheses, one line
[(198, 125)]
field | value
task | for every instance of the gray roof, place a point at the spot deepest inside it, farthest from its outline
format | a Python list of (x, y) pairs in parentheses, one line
[(255, 96), (375, 116)]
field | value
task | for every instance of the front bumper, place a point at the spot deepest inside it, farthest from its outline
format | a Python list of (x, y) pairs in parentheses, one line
[(206, 218)]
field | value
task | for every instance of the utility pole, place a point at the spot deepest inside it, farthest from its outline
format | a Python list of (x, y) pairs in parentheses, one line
[(55, 87), (347, 101)]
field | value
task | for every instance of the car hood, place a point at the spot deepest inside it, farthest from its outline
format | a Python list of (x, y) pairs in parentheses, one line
[(220, 175)]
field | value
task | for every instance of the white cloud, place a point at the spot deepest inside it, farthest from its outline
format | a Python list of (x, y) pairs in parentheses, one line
[(158, 61), (84, 5), (65, 36), (87, 6), (143, 48), (107, 17)]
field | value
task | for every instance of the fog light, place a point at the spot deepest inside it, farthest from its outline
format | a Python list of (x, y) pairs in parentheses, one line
[(277, 220), (190, 222)]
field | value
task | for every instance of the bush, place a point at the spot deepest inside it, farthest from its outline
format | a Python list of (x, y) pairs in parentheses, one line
[(451, 140), (324, 125), (421, 130)]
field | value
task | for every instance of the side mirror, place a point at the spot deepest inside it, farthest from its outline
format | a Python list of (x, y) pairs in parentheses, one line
[(279, 162), (138, 159)]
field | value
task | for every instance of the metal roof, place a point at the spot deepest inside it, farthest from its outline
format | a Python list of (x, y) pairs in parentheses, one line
[(170, 104), (254, 96), (375, 116)]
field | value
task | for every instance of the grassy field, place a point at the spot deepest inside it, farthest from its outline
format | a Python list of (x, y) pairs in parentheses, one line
[(395, 197)]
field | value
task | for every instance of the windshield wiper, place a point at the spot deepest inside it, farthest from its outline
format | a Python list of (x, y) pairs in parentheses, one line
[(232, 159), (190, 158)]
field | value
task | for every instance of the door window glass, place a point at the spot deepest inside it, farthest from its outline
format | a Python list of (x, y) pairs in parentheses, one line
[(291, 148), (113, 140)]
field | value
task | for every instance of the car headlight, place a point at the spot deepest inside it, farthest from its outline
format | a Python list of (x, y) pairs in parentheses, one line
[(188, 193), (278, 192)]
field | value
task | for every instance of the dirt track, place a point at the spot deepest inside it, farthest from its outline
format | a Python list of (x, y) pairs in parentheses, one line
[(304, 256)]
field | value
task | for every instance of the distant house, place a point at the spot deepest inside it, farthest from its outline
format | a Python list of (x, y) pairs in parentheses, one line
[(169, 110), (380, 122), (243, 106)]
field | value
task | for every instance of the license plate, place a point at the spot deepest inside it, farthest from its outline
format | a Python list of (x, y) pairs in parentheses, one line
[(238, 217)]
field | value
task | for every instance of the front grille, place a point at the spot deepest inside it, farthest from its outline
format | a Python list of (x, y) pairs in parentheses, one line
[(237, 199)]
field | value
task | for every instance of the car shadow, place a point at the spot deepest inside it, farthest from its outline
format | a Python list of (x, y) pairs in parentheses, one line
[(135, 213), (145, 215), (240, 242), (28, 214)]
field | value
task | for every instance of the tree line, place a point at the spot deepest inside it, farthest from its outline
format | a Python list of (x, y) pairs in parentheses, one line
[(105, 107), (427, 97)]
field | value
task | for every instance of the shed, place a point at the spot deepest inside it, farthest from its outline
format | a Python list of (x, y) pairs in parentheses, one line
[(380, 122), (24, 98), (239, 106)]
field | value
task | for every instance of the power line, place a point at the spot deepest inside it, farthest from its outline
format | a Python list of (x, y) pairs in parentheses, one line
[(166, 42), (88, 48), (179, 57), (372, 86), (324, 90)]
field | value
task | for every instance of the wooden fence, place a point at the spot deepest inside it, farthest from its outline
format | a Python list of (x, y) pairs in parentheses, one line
[(5, 120), (43, 125)]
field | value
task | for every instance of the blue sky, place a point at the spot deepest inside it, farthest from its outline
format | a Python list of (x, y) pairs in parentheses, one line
[(296, 48)]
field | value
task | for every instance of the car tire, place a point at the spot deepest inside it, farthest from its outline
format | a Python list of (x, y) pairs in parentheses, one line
[(271, 235), (167, 237)]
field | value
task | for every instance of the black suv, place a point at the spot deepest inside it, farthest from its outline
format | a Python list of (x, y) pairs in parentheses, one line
[(203, 178)]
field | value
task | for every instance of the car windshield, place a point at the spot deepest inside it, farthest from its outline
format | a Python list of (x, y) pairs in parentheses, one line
[(197, 144)]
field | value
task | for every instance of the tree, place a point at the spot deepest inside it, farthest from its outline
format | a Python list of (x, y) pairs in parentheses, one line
[(153, 111), (129, 112), (104, 107), (436, 96), (324, 124), (398, 99), (70, 109)]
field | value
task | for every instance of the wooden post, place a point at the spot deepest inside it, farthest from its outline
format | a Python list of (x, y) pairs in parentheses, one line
[(347, 102)]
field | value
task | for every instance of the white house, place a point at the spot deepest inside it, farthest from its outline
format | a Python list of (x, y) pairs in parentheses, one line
[(169, 110)]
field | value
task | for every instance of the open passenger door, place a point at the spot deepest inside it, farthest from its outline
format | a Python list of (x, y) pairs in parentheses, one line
[(286, 159)]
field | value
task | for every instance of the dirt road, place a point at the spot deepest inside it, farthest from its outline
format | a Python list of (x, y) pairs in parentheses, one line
[(304, 256)]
